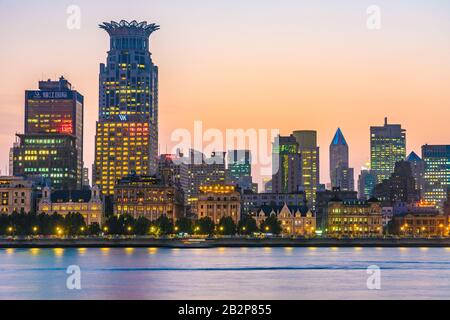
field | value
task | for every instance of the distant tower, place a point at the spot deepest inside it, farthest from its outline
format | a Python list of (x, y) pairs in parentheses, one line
[(437, 173), (127, 129), (310, 166), (387, 147), (341, 176), (418, 170)]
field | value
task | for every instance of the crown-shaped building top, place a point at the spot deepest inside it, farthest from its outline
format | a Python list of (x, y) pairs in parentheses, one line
[(339, 138), (125, 28)]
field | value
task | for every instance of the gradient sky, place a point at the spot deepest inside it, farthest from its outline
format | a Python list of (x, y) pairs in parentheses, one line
[(248, 64)]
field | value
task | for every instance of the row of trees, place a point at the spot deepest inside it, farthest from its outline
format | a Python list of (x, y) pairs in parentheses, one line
[(45, 224), (126, 224), (73, 224)]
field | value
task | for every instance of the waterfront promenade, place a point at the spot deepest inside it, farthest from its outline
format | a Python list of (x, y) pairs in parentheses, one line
[(218, 242)]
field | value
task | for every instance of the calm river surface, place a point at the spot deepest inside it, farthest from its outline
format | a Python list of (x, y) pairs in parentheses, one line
[(226, 273)]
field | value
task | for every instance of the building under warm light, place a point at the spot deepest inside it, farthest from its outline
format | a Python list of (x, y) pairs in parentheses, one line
[(295, 220), (425, 223), (52, 145), (437, 173), (147, 196), (217, 201), (354, 218), (387, 147), (16, 195), (50, 156), (88, 203), (127, 130)]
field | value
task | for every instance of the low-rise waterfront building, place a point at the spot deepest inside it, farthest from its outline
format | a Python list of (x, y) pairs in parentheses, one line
[(354, 218), (87, 202), (16, 194), (324, 197), (217, 201), (295, 220), (425, 223), (147, 196)]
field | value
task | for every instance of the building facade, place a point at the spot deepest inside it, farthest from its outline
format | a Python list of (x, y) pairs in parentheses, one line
[(296, 164), (50, 156), (418, 171), (147, 196), (88, 203), (239, 165), (218, 201), (341, 175), (17, 195), (127, 130), (324, 197), (286, 165), (310, 165), (400, 187), (197, 170), (295, 220), (252, 201), (387, 147), (437, 173), (421, 224), (354, 218), (366, 184), (52, 144)]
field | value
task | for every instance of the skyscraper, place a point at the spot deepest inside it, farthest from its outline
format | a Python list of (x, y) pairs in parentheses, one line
[(286, 165), (366, 184), (387, 147), (127, 129), (309, 154), (296, 164), (400, 187), (52, 145), (437, 173), (341, 176), (240, 168), (418, 170)]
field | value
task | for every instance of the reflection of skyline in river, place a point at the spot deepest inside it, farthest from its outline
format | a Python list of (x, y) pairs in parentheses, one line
[(225, 273)]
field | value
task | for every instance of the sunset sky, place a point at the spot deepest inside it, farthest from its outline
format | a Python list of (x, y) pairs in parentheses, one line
[(269, 64)]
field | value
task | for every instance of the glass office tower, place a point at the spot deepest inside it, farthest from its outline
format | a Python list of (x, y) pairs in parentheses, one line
[(387, 147), (52, 145)]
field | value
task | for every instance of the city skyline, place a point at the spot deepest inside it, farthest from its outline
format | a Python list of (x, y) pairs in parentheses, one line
[(352, 106)]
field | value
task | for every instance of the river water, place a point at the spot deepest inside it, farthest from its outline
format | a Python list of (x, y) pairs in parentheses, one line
[(226, 273)]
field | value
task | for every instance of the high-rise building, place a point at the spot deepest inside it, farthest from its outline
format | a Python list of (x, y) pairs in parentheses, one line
[(127, 129), (197, 170), (437, 173), (286, 165), (387, 147), (400, 187), (240, 168), (296, 164), (341, 176), (366, 184), (309, 155), (418, 170), (52, 157), (52, 145)]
